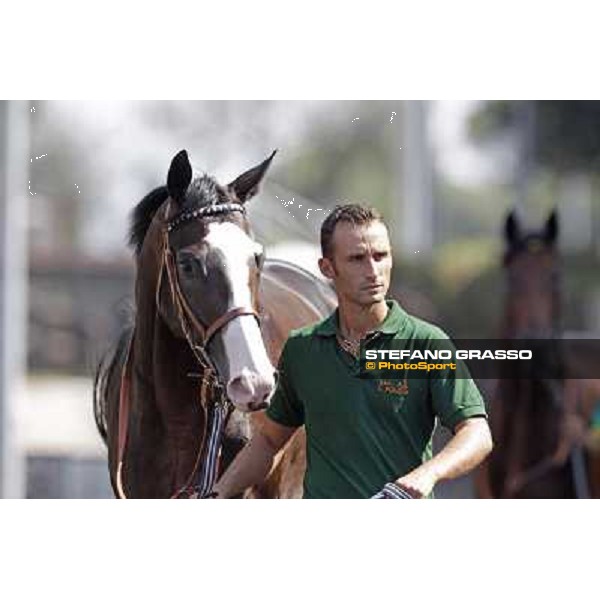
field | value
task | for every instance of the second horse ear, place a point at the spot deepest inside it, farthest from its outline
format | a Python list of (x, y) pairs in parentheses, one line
[(512, 229), (180, 176), (551, 228), (247, 184)]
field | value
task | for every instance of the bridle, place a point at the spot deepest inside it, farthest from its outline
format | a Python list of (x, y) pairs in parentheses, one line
[(198, 335), (185, 315)]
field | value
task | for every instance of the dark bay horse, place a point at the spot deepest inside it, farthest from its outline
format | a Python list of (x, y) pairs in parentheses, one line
[(535, 420), (172, 398)]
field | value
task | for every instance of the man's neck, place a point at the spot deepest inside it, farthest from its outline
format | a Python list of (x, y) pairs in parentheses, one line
[(356, 321)]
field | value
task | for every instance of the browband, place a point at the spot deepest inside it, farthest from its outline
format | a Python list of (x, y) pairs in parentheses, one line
[(206, 211)]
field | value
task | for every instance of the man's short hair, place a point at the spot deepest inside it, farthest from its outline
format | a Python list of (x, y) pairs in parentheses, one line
[(356, 214)]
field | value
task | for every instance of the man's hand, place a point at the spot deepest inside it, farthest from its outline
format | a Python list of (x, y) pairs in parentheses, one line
[(392, 491), (419, 483), (471, 443), (416, 484)]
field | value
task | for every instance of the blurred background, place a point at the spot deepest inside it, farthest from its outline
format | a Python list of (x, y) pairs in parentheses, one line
[(444, 174)]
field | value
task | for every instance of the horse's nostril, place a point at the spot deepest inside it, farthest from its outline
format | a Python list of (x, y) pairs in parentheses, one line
[(250, 390), (240, 385), (259, 405)]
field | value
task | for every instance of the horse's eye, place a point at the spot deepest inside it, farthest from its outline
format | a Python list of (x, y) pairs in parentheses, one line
[(186, 266), (260, 259)]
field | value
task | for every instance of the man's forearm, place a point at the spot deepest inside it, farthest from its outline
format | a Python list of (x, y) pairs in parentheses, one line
[(250, 467), (467, 448), (471, 443)]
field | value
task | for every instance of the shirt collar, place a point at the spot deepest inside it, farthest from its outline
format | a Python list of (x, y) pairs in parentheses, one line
[(391, 324)]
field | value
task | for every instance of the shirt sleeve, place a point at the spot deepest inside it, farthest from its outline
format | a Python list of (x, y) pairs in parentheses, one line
[(455, 396), (286, 408)]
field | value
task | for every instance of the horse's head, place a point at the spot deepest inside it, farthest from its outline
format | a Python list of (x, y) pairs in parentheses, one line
[(531, 262), (208, 292)]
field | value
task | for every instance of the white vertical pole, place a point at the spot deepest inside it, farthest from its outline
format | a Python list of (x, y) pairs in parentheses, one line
[(414, 215), (14, 161)]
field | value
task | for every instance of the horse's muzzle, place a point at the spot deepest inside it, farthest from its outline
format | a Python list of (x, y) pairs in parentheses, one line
[(250, 391), (259, 405)]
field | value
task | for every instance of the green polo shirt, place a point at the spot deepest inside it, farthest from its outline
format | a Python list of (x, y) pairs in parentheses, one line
[(361, 434)]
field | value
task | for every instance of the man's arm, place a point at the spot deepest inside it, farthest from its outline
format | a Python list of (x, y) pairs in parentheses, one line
[(471, 443), (252, 465)]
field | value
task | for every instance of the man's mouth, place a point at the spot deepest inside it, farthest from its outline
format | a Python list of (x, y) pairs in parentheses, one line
[(373, 287)]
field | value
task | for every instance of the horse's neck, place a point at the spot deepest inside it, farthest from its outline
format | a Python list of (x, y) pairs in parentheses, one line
[(529, 423), (168, 423), (168, 420), (510, 327)]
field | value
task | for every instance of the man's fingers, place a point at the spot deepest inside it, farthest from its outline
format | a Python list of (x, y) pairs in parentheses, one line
[(414, 489), (393, 490), (412, 493)]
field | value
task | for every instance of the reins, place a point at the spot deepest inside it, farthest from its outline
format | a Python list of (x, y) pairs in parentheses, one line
[(198, 484)]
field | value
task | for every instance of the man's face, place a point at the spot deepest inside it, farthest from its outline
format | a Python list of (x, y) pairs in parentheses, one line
[(361, 263)]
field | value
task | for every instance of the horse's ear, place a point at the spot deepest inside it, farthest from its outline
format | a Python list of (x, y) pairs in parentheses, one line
[(247, 184), (512, 229), (551, 229), (180, 176)]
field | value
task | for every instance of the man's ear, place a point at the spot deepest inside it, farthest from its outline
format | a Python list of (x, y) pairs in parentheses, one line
[(326, 267), (180, 176), (247, 184)]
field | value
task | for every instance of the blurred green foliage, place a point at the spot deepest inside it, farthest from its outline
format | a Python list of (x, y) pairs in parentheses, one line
[(348, 158), (565, 132)]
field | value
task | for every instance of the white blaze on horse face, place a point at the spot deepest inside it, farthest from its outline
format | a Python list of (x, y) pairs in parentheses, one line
[(251, 375)]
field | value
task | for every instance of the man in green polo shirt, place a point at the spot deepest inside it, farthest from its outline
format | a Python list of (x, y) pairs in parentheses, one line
[(365, 437)]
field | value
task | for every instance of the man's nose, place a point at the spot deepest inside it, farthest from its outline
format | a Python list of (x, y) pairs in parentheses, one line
[(371, 267)]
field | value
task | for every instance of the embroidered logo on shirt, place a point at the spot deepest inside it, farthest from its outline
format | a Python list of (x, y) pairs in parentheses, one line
[(398, 388)]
